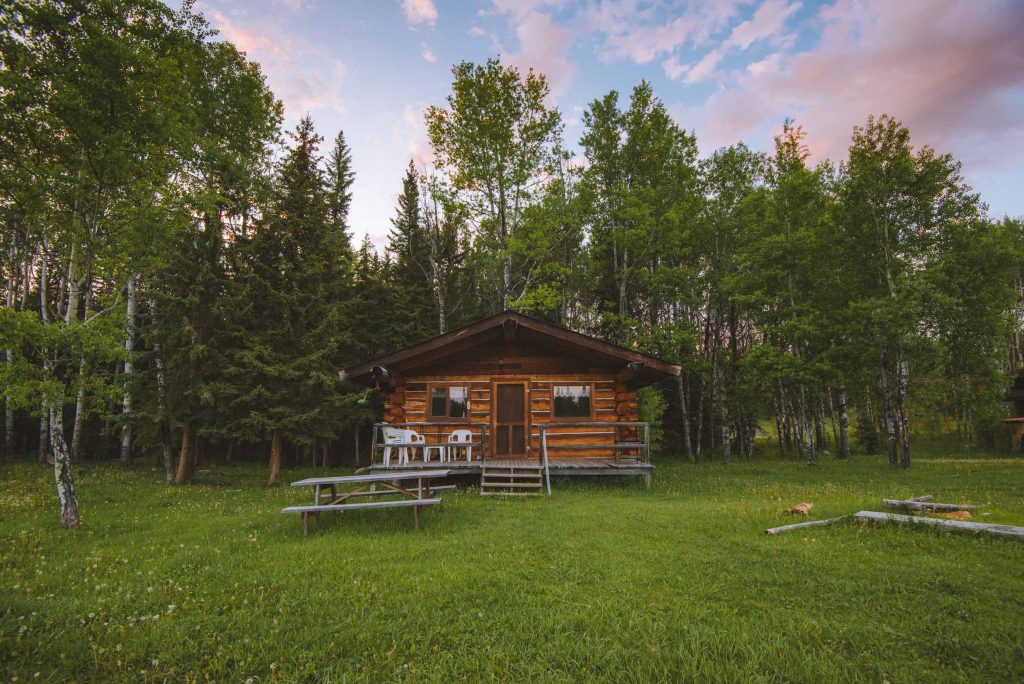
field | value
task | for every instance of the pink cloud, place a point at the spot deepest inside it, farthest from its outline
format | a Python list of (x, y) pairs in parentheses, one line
[(544, 47), (950, 71), (543, 44), (411, 132), (419, 12), (302, 76)]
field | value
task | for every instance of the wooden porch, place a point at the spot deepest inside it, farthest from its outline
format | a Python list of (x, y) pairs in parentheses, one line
[(628, 453), (580, 465)]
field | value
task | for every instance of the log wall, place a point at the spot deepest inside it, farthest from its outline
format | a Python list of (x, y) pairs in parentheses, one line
[(612, 401)]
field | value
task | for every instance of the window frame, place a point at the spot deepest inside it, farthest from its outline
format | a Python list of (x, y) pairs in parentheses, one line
[(446, 386), (571, 419)]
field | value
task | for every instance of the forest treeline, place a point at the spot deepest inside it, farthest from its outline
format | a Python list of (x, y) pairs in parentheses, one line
[(180, 279)]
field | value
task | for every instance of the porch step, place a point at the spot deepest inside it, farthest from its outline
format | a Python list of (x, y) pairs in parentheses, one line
[(511, 480), (510, 485), (526, 474)]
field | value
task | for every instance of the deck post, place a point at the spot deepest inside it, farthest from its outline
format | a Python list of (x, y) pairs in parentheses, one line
[(647, 448), (544, 454), (373, 446)]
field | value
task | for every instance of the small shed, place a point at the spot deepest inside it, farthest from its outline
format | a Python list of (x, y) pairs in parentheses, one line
[(529, 392)]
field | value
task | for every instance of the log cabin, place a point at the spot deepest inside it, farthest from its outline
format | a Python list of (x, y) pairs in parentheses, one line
[(528, 397)]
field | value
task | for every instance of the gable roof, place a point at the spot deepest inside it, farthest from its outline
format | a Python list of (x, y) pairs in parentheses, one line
[(645, 368)]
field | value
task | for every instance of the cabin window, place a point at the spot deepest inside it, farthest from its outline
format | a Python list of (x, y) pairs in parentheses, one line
[(571, 401), (449, 402)]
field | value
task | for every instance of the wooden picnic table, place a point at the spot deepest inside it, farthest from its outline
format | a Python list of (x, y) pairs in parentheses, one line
[(416, 497)]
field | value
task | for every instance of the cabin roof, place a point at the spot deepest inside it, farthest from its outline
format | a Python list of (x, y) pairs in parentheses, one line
[(640, 368)]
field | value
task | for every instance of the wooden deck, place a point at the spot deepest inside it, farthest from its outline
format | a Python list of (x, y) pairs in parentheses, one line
[(582, 466)]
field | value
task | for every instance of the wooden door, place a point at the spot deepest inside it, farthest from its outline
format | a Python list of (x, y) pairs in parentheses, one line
[(510, 426)]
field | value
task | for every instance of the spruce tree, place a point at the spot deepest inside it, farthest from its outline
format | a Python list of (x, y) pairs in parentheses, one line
[(410, 278), (286, 368), (340, 177)]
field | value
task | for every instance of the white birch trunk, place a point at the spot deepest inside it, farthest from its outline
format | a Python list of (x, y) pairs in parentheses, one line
[(129, 349), (44, 414), (66, 495), (903, 388)]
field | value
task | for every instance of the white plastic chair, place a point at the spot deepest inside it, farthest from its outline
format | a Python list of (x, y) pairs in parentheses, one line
[(460, 439), (395, 436), (398, 436)]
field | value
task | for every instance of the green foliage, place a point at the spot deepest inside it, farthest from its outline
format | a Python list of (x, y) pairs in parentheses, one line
[(652, 406), (494, 141), (293, 295)]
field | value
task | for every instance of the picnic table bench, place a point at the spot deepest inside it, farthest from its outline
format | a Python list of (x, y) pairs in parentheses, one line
[(326, 496)]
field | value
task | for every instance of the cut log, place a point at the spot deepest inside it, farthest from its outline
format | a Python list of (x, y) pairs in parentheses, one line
[(911, 505), (812, 523), (960, 526)]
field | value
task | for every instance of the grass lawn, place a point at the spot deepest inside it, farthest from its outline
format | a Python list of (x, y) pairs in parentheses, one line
[(601, 582)]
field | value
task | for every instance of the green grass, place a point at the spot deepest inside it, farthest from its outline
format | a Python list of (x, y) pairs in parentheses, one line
[(601, 582)]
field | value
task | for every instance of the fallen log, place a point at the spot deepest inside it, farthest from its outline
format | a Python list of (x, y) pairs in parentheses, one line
[(960, 526), (812, 523), (911, 505)]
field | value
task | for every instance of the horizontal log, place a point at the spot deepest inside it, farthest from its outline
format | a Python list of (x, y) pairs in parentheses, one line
[(812, 523), (911, 505), (959, 526)]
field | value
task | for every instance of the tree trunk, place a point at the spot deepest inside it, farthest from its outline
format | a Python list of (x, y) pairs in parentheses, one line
[(76, 434), (807, 431), (129, 350), (355, 434), (776, 404), (66, 494), (844, 424), (887, 408), (9, 357), (275, 459), (723, 413), (903, 379), (166, 447), (700, 422), (44, 414), (685, 417), (183, 455)]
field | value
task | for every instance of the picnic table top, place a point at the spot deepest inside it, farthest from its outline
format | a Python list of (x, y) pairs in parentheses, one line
[(374, 477)]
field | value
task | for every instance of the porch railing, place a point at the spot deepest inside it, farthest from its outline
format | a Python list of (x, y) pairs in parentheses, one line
[(629, 437), (435, 433)]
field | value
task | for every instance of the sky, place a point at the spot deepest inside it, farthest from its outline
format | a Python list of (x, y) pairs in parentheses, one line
[(728, 70)]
